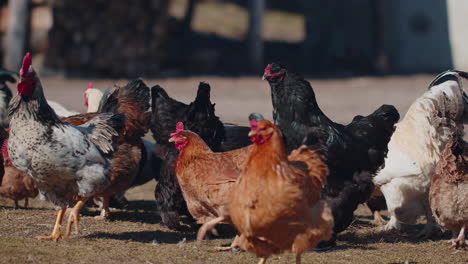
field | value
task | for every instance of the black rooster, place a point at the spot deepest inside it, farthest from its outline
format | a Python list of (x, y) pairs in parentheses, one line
[(353, 152), (199, 117)]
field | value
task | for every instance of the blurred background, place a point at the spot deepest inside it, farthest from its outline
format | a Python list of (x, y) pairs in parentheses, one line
[(172, 38)]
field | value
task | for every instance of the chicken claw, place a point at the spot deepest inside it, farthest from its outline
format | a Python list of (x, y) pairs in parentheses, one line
[(74, 217), (104, 210), (56, 233), (233, 247), (460, 242), (378, 219), (208, 226)]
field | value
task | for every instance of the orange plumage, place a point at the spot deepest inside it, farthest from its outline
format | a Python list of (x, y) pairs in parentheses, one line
[(275, 204), (206, 178)]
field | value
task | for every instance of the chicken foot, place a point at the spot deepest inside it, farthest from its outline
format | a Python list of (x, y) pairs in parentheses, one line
[(16, 204), (235, 244), (378, 219), (208, 226), (460, 241), (104, 210), (74, 217), (262, 261), (26, 202), (56, 233)]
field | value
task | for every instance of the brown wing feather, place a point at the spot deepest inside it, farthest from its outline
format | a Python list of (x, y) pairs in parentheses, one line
[(79, 119)]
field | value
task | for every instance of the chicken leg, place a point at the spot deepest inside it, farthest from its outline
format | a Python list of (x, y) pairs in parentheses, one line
[(104, 210), (262, 261), (208, 226), (235, 244), (460, 241), (56, 233), (378, 219), (74, 217), (16, 204), (26, 202)]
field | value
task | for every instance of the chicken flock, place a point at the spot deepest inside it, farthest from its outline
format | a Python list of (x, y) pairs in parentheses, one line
[(286, 185)]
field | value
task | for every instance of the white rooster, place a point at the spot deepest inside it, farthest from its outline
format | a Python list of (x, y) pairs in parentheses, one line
[(415, 148), (92, 98)]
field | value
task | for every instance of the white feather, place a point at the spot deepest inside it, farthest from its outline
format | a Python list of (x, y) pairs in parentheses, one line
[(94, 97), (61, 110), (415, 148)]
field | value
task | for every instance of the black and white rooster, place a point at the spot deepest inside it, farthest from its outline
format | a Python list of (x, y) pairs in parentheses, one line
[(69, 163)]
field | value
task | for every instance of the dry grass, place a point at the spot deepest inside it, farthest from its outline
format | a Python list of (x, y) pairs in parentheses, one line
[(136, 236)]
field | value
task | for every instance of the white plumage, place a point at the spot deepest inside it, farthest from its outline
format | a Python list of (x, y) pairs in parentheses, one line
[(60, 110), (415, 148), (92, 98)]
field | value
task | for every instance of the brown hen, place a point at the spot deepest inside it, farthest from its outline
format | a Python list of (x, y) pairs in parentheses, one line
[(205, 177), (448, 195), (275, 204), (14, 183)]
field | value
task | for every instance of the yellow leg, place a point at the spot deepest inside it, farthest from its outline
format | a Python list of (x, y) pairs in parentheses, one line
[(56, 233), (262, 261), (104, 210), (74, 217)]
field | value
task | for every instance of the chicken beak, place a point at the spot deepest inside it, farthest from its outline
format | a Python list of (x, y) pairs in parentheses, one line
[(252, 133), (264, 77), (171, 139)]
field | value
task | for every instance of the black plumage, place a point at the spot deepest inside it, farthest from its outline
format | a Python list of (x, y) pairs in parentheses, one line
[(354, 152), (199, 117), (5, 95)]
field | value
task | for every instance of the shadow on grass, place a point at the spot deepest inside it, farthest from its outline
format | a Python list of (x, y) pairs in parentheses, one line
[(25, 209), (393, 236), (163, 237), (145, 205)]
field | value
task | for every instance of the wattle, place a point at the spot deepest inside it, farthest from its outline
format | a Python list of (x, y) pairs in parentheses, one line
[(24, 88)]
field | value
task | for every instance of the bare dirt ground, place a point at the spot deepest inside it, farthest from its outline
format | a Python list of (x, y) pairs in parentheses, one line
[(136, 236)]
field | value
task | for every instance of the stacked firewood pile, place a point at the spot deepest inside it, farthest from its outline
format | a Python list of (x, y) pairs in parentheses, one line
[(112, 38)]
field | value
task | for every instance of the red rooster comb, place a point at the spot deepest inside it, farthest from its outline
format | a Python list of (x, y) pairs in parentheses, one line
[(27, 61), (268, 69), (253, 124), (179, 127), (90, 86)]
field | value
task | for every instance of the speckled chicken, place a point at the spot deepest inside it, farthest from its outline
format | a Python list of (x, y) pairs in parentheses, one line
[(275, 204), (70, 163), (448, 194)]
